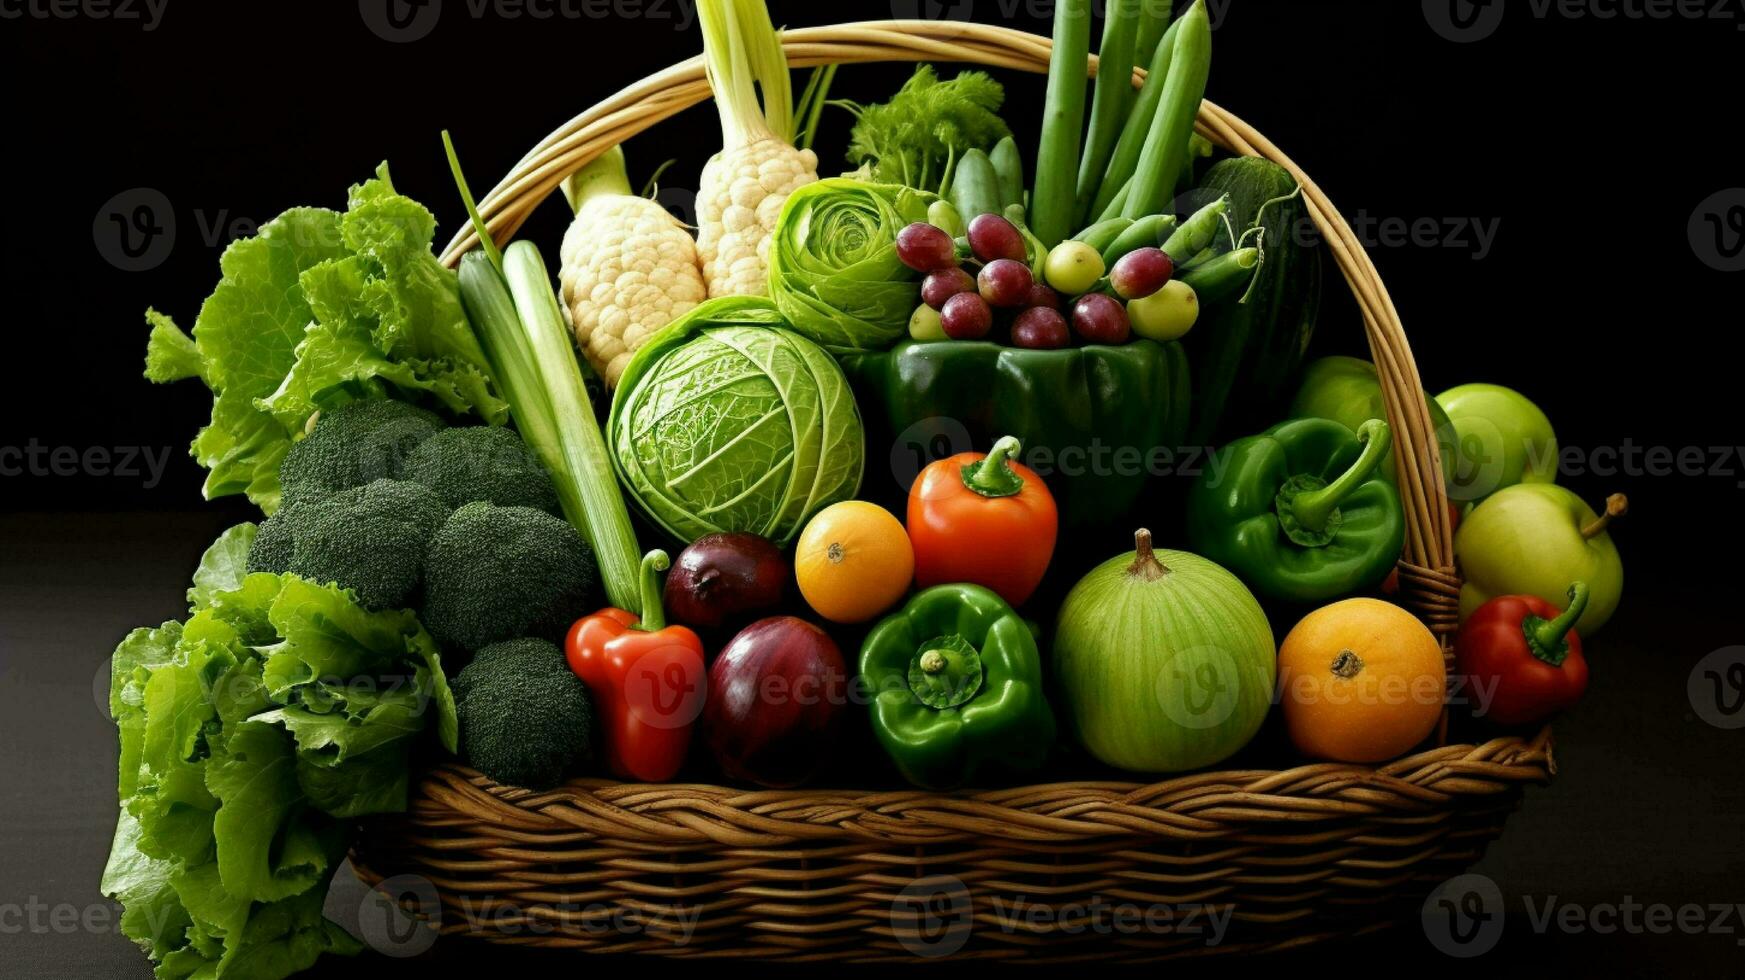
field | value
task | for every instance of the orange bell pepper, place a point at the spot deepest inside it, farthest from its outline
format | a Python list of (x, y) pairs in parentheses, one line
[(647, 679), (986, 520)]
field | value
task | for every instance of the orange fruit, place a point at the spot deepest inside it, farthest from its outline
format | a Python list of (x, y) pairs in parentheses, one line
[(853, 561), (1360, 681)]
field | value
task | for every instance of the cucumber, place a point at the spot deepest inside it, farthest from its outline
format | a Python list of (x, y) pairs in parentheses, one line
[(1246, 354)]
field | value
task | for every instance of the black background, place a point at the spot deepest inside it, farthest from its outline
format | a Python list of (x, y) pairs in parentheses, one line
[(1587, 143)]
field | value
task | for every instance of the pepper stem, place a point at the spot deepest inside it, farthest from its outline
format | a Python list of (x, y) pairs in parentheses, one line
[(994, 476), (653, 616), (1546, 637), (1145, 563), (1617, 505), (1315, 507)]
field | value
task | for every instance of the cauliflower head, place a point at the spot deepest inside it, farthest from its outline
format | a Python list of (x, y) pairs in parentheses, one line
[(743, 190), (628, 269)]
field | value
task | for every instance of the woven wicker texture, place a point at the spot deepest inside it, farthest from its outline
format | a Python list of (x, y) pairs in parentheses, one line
[(1039, 873)]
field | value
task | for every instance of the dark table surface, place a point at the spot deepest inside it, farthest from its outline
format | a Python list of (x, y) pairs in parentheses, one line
[(1647, 807)]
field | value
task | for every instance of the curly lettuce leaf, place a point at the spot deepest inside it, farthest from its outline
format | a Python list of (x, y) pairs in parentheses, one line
[(223, 566), (237, 793), (317, 310), (388, 312), (266, 851)]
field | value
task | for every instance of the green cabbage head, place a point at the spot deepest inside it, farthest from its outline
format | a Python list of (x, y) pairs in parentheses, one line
[(727, 420), (834, 271)]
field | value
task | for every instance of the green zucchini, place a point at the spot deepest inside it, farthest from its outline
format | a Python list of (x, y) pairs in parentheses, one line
[(1246, 354)]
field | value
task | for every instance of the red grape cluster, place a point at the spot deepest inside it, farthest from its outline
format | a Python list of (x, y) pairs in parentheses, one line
[(1005, 289)]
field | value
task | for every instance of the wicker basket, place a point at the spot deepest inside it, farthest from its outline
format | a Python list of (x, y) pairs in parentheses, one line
[(1066, 871)]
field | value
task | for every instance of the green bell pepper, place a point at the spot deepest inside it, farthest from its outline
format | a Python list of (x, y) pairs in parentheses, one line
[(1095, 422), (957, 685), (1300, 512), (1348, 391)]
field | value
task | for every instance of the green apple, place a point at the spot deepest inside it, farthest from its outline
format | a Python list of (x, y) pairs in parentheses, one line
[(1535, 539), (1348, 391), (1504, 439)]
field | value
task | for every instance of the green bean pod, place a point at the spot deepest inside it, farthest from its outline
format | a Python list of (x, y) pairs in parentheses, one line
[(1166, 146), (1055, 193), (1009, 170), (975, 190), (1153, 22), (1103, 234), (1147, 231), (1223, 277), (1111, 99), (1197, 232), (1132, 141)]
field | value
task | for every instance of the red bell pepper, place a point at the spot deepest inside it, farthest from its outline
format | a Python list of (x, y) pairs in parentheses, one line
[(985, 520), (1523, 654), (647, 679)]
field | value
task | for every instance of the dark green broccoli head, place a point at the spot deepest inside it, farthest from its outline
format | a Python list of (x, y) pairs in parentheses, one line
[(482, 462), (273, 543), (352, 445), (369, 539), (497, 573), (525, 719)]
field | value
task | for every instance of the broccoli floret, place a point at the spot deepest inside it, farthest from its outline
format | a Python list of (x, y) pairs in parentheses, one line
[(352, 445), (482, 462), (274, 542), (525, 719), (369, 539), (498, 573)]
